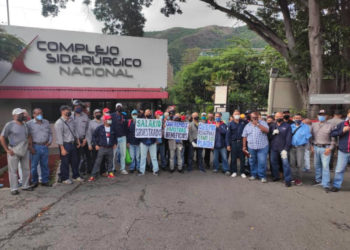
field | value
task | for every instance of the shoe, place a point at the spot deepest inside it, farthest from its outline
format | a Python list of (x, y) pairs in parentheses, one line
[(228, 173), (163, 169), (298, 182), (243, 176), (252, 178), (59, 180), (326, 189), (68, 181), (47, 184), (307, 171), (92, 179), (35, 185), (215, 171), (139, 173), (275, 179), (207, 165), (79, 179), (181, 171), (334, 189), (123, 172), (131, 171), (202, 171), (315, 183), (156, 173), (19, 184), (14, 192), (288, 184), (234, 175), (28, 189), (105, 175), (111, 176), (293, 181), (171, 171), (263, 180)]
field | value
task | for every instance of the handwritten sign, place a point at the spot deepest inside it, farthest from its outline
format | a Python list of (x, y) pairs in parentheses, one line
[(176, 130), (148, 128), (206, 135)]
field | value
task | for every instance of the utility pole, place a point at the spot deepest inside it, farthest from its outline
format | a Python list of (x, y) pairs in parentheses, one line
[(8, 12)]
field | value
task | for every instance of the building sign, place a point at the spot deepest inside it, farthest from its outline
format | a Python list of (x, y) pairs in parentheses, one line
[(206, 135), (176, 130), (75, 59), (330, 99), (148, 128)]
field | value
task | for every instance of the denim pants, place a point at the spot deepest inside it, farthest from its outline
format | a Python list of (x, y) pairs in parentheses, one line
[(322, 166), (199, 152), (258, 162), (275, 165), (69, 159), (307, 159), (237, 152), (153, 153), (122, 149), (41, 157), (134, 151), (223, 152), (343, 159)]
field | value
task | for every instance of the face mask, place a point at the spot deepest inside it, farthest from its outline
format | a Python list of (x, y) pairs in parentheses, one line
[(68, 113), (149, 116), (171, 117), (237, 117), (119, 109), (109, 122), (78, 110), (248, 117), (279, 120), (203, 117), (183, 118), (196, 118), (286, 117), (321, 118), (39, 117), (217, 119), (298, 122), (98, 117), (134, 117), (21, 118), (269, 123)]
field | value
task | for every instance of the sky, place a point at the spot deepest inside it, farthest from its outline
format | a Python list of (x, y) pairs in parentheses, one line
[(77, 17)]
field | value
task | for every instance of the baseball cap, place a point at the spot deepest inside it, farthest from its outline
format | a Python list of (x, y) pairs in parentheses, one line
[(106, 110), (158, 112), (134, 112), (203, 114), (107, 117), (286, 111), (182, 113), (322, 112), (17, 111), (96, 111), (248, 112), (65, 107), (118, 104)]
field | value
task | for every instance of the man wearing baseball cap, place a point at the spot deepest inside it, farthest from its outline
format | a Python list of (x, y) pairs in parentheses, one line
[(120, 126), (20, 142), (323, 145)]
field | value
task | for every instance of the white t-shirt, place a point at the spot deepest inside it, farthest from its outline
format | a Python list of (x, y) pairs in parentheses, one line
[(108, 133)]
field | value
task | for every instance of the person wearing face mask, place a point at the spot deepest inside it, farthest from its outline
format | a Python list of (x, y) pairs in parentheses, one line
[(234, 143), (280, 142), (81, 121), (247, 115), (306, 169), (120, 126), (300, 138), (105, 140), (335, 121), (323, 144), (183, 116), (270, 120), (171, 115), (41, 133), (176, 151), (68, 144), (93, 124), (20, 143), (207, 151), (192, 136), (286, 117), (161, 144), (133, 143)]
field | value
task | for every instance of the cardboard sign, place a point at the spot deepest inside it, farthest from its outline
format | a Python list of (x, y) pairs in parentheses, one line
[(148, 128), (206, 135), (176, 130)]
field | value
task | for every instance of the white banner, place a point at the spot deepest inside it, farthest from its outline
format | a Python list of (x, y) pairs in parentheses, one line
[(148, 128), (176, 130), (206, 135)]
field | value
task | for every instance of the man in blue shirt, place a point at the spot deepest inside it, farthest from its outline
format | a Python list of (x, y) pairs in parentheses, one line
[(280, 142), (300, 138), (220, 145), (234, 142)]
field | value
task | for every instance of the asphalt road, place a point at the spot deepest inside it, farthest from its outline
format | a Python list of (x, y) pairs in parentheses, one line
[(174, 211)]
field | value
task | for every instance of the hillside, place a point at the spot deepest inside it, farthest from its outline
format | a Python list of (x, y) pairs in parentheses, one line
[(180, 39)]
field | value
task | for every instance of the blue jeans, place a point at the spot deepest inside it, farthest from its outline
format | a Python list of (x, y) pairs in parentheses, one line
[(153, 153), (41, 156), (223, 152), (275, 165), (199, 152), (257, 162), (122, 150), (70, 159), (343, 159), (237, 152), (322, 166), (135, 155)]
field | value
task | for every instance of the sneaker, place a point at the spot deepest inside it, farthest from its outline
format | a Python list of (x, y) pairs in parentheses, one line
[(263, 180), (35, 185), (215, 171), (252, 178), (288, 184), (163, 169), (92, 179), (139, 173), (293, 181), (228, 173), (47, 184), (123, 172), (111, 176), (234, 175), (181, 171), (14, 192), (326, 190), (171, 171), (202, 171), (243, 176), (28, 189), (79, 179), (131, 171), (334, 189), (105, 175), (275, 179), (19, 184), (68, 181), (307, 171), (156, 173), (315, 183), (298, 182)]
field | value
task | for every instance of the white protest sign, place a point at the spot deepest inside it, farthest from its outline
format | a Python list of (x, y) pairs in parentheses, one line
[(176, 130), (148, 128), (206, 135)]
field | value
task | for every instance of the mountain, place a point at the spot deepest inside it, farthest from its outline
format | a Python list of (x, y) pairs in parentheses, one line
[(210, 37)]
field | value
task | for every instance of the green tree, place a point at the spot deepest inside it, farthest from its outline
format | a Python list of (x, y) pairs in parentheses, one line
[(10, 46)]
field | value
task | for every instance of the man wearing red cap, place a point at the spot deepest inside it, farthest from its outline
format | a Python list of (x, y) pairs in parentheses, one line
[(105, 140)]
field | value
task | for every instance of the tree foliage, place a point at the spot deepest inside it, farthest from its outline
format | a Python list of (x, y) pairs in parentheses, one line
[(10, 46)]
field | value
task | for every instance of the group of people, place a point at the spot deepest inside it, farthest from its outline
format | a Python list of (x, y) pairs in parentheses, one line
[(94, 146)]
